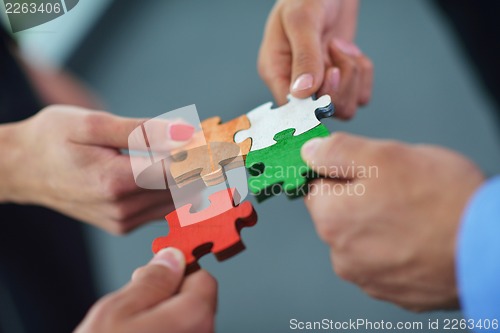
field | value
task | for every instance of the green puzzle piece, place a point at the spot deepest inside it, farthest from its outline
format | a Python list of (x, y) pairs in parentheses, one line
[(280, 168)]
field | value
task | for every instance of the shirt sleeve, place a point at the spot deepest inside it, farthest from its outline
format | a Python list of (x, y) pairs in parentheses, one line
[(478, 255)]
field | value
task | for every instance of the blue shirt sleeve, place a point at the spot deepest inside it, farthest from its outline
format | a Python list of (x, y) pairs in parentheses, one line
[(478, 255)]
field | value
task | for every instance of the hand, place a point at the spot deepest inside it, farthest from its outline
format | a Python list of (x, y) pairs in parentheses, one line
[(390, 214), (157, 300), (309, 43), (68, 159)]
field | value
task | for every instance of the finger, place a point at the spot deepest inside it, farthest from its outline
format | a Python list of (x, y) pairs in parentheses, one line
[(117, 226), (338, 156), (280, 88), (346, 47), (109, 175), (202, 284), (366, 81), (134, 210), (153, 213), (344, 56), (105, 129), (124, 175), (151, 284), (364, 67), (331, 83), (115, 178), (331, 206), (117, 181), (192, 310), (304, 33), (274, 63), (108, 130)]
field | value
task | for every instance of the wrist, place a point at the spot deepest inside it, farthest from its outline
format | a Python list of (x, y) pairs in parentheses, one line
[(10, 152)]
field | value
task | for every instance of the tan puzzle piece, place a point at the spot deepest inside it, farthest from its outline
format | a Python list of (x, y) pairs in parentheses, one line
[(215, 131), (206, 162)]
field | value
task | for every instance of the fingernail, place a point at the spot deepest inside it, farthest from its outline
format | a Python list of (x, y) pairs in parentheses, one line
[(303, 82), (171, 258), (310, 147), (335, 79), (346, 47), (180, 132), (355, 49)]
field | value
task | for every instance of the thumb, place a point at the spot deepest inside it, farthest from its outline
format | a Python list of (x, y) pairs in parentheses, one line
[(106, 129), (338, 156), (153, 283), (307, 60)]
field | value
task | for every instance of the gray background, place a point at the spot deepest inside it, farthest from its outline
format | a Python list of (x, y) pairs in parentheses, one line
[(148, 57)]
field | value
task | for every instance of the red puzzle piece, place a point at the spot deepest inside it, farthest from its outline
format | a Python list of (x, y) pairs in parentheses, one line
[(218, 233)]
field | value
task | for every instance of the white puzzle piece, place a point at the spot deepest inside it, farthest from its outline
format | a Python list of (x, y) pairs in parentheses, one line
[(265, 122)]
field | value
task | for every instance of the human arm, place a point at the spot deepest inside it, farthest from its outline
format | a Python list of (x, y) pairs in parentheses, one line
[(478, 250), (55, 86), (308, 48), (68, 159), (51, 85), (157, 299)]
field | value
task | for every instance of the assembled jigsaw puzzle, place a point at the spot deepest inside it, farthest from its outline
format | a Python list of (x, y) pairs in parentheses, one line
[(267, 142)]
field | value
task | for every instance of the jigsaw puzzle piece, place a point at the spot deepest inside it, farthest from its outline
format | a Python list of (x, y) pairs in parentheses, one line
[(280, 168), (213, 130), (216, 229), (325, 112), (299, 114), (220, 202), (208, 162), (216, 131)]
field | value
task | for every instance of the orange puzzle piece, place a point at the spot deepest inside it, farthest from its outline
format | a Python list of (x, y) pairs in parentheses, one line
[(206, 162), (215, 229), (213, 130), (216, 131)]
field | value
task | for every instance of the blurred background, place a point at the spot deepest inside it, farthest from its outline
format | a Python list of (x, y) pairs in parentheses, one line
[(144, 58)]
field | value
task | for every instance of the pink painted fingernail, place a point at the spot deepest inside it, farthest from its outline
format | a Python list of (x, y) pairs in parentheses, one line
[(342, 45), (355, 49), (171, 258), (335, 79), (303, 82), (346, 47), (180, 132)]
